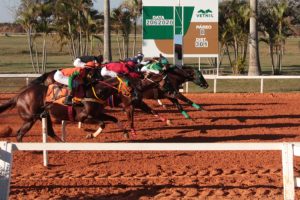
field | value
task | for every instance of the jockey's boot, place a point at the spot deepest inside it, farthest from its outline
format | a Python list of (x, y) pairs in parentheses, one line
[(68, 100)]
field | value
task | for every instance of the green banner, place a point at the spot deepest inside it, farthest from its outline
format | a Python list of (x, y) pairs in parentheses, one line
[(158, 22)]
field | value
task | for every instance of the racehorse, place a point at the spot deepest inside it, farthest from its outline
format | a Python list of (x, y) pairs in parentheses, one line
[(31, 106), (175, 76), (47, 79)]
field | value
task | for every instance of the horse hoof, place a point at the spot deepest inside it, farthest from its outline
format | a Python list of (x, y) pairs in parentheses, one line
[(169, 122), (126, 135), (89, 136)]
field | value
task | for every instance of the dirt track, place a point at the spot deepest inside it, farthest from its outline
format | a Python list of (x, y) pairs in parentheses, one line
[(168, 175)]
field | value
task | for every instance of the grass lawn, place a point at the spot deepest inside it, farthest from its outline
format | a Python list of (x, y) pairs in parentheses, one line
[(14, 58)]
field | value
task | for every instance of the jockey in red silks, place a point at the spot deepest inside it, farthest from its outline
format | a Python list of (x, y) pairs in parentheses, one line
[(115, 68)]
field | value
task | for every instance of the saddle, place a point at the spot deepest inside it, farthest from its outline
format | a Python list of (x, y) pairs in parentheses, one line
[(57, 93)]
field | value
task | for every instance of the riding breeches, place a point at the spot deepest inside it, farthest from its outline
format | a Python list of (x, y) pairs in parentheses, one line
[(60, 78), (79, 63), (146, 69), (106, 72)]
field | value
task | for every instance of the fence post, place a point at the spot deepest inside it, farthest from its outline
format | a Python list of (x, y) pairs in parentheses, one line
[(187, 87), (5, 169), (45, 133), (27, 81), (261, 85), (288, 171), (63, 130), (215, 85)]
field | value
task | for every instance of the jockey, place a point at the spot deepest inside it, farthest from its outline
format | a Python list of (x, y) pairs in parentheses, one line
[(64, 76), (83, 60), (156, 67), (115, 68), (137, 59)]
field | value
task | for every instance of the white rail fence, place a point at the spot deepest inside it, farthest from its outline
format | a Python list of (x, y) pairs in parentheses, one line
[(208, 77), (289, 150)]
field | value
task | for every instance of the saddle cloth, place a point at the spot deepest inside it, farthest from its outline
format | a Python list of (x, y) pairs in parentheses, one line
[(56, 93)]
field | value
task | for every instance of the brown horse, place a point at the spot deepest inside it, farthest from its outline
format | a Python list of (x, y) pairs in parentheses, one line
[(47, 79), (31, 106)]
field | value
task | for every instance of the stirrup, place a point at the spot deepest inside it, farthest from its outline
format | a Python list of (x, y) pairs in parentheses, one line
[(68, 101)]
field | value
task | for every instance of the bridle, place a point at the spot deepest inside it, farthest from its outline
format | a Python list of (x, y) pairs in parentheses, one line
[(122, 88)]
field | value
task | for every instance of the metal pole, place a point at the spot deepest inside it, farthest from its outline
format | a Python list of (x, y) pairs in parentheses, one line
[(44, 130), (27, 81), (199, 63)]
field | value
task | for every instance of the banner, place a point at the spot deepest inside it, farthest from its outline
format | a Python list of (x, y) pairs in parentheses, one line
[(187, 25)]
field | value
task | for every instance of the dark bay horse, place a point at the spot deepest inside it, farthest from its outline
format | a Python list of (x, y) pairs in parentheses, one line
[(175, 76), (31, 106)]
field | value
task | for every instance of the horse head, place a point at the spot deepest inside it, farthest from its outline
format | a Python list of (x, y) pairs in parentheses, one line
[(193, 75)]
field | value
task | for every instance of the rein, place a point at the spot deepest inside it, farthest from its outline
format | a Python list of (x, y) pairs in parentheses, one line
[(122, 88)]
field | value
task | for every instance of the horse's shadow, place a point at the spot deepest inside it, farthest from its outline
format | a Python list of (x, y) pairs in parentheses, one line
[(245, 118), (205, 128), (207, 139), (139, 191)]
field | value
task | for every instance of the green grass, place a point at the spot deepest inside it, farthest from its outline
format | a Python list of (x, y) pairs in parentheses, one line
[(14, 58)]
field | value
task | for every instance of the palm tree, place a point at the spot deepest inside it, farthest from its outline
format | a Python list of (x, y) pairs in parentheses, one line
[(107, 37), (254, 64), (234, 29), (275, 24), (135, 9), (44, 21), (26, 17)]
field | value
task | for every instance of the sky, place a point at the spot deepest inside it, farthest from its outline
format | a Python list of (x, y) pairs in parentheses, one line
[(8, 7)]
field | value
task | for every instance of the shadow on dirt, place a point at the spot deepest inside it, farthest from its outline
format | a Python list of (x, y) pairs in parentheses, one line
[(137, 191), (206, 139)]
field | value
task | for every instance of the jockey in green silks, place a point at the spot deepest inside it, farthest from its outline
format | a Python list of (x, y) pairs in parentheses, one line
[(155, 67)]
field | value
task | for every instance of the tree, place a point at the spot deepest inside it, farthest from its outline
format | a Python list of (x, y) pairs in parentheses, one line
[(234, 31), (275, 24), (36, 17), (135, 9), (254, 64), (107, 37), (75, 23)]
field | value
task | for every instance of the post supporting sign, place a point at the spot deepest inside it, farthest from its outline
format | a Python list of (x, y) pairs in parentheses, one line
[(180, 27)]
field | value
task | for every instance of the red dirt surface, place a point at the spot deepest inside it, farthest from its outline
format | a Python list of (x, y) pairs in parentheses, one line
[(167, 175)]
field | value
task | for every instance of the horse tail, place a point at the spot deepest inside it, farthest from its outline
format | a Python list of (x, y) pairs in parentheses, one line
[(9, 104)]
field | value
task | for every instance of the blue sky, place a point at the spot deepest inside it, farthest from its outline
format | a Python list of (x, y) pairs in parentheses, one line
[(7, 8)]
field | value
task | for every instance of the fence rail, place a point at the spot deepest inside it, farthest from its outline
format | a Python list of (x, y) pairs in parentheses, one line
[(288, 152), (209, 77)]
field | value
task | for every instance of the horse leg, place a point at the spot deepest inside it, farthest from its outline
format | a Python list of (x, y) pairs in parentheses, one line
[(161, 104), (184, 99), (50, 130), (179, 107), (106, 117), (144, 107), (96, 133), (130, 116), (24, 129)]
